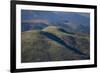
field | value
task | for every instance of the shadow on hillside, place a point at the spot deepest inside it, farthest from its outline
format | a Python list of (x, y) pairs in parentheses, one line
[(60, 41)]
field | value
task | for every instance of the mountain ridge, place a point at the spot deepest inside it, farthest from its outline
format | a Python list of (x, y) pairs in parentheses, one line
[(41, 42)]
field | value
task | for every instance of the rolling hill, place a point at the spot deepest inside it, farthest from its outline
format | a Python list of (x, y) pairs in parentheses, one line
[(53, 43)]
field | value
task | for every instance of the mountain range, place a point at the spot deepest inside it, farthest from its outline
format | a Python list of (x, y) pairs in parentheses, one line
[(54, 36), (70, 21)]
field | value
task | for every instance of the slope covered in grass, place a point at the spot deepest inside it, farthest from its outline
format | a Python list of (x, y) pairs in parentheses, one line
[(72, 39), (53, 44)]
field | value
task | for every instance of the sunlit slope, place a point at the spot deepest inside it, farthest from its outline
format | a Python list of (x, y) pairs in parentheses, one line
[(72, 39), (53, 44)]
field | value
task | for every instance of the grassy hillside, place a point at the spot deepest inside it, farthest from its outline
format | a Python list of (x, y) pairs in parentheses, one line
[(53, 44), (73, 39)]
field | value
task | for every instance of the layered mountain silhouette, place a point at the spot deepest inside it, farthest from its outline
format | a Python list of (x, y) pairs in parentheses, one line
[(70, 21)]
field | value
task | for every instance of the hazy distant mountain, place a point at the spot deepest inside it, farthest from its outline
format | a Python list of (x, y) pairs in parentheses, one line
[(76, 22)]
